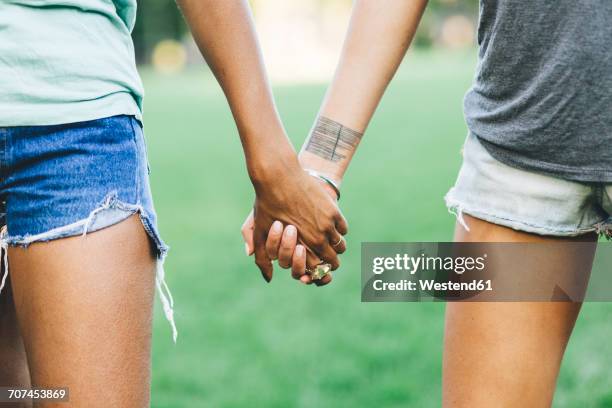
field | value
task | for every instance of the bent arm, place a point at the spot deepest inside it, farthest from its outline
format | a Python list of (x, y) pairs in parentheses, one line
[(377, 39)]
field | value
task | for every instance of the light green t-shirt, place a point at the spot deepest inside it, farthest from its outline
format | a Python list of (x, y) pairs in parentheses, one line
[(64, 61)]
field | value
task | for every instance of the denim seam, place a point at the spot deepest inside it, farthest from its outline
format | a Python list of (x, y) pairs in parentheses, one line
[(137, 161), (144, 142)]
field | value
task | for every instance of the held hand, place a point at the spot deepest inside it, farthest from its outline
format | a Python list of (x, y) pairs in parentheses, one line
[(298, 200), (282, 245), (292, 254)]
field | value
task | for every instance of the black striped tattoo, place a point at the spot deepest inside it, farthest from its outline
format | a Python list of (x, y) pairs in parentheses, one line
[(331, 141)]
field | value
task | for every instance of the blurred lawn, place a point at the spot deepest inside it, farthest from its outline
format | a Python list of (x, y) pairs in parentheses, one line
[(245, 343)]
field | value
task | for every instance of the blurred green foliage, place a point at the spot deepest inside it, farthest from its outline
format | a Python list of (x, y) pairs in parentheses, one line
[(161, 19), (156, 20), (436, 12)]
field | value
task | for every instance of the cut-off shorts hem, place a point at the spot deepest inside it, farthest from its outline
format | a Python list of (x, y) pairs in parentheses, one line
[(526, 201), (458, 209), (108, 213)]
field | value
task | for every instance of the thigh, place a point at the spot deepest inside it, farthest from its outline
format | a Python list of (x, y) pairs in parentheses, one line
[(504, 354), (85, 305), (13, 366), (13, 363)]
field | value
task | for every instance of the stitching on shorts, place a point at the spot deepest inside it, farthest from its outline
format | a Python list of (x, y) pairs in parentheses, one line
[(137, 160)]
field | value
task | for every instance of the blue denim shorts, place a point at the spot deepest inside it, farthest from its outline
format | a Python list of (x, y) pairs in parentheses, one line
[(67, 180), (526, 201)]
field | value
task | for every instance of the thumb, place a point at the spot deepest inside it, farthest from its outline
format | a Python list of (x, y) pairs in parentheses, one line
[(247, 234)]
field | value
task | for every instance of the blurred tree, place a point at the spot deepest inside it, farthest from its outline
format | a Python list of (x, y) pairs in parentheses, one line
[(156, 20), (437, 11), (160, 19)]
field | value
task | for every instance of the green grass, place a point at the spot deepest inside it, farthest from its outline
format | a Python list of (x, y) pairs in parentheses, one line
[(245, 343)]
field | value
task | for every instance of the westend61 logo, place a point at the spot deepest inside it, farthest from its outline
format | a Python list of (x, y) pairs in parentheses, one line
[(423, 262)]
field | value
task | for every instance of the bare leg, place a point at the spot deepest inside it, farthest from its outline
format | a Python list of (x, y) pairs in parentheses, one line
[(84, 305), (504, 354), (13, 362)]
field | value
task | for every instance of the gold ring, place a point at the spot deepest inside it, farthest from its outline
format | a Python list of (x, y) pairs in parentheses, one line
[(320, 271), (338, 243)]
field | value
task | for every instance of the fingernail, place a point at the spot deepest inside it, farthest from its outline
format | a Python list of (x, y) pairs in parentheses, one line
[(299, 250), (291, 231), (247, 250), (277, 226)]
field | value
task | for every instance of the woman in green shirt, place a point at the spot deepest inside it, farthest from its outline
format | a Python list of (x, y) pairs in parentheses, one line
[(82, 254)]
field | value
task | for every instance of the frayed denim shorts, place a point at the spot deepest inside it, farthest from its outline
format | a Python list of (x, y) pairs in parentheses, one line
[(526, 201), (67, 180)]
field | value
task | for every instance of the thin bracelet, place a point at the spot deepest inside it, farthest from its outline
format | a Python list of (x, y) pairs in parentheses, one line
[(326, 179)]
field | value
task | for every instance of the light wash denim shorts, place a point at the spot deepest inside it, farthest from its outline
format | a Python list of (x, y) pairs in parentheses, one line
[(526, 201), (67, 180)]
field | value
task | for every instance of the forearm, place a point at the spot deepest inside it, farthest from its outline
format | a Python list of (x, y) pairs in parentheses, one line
[(226, 37), (377, 39)]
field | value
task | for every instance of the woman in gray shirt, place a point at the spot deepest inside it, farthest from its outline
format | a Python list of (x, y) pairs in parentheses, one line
[(537, 168)]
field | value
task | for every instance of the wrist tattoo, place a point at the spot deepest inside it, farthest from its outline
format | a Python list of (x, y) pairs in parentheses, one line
[(332, 141)]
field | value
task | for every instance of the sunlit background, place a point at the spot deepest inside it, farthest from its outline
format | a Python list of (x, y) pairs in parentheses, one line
[(301, 39), (245, 343)]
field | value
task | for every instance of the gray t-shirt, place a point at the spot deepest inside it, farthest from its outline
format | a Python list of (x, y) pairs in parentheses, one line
[(542, 95)]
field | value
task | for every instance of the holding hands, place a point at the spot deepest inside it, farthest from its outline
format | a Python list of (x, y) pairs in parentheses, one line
[(295, 218), (310, 240), (284, 243)]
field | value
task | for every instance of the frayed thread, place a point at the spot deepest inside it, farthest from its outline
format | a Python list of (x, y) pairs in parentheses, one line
[(604, 229), (163, 290), (108, 201), (165, 297), (458, 213), (4, 249), (111, 201)]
